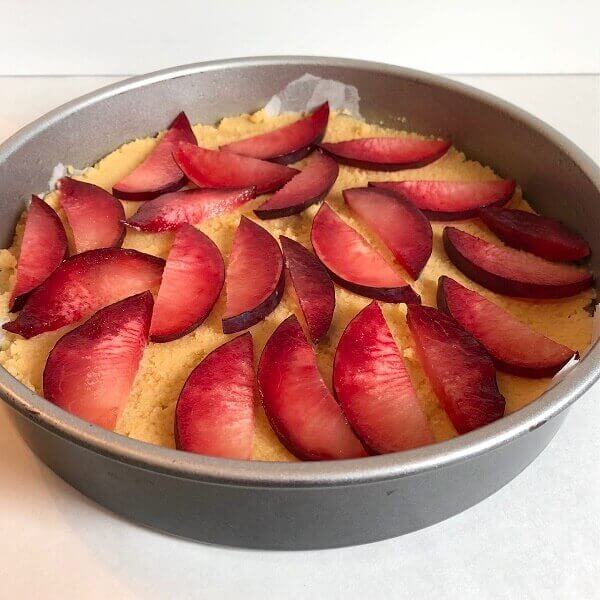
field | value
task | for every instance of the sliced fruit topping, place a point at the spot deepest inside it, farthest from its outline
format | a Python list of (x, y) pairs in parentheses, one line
[(255, 278), (302, 411), (514, 346), (287, 144), (450, 200), (191, 283), (403, 228), (308, 187), (353, 263), (158, 173), (215, 410), (387, 153), (512, 272), (458, 367), (91, 369), (539, 235), (43, 248), (189, 206), (374, 389), (313, 287), (214, 169), (84, 283), (95, 217)]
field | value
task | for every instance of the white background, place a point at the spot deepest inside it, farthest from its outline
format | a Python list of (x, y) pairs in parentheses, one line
[(470, 36), (539, 537)]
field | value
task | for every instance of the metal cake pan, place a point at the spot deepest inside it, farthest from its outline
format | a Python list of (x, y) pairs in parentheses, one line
[(306, 505)]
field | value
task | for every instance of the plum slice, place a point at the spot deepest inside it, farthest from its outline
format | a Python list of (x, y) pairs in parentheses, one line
[(301, 410), (450, 200), (353, 263), (287, 144), (158, 173), (83, 284), (512, 272), (215, 169), (215, 410), (43, 248), (402, 227), (310, 186), (169, 211), (91, 369), (515, 347), (95, 217), (313, 286), (374, 389), (255, 279), (387, 153), (191, 283), (536, 234), (460, 370)]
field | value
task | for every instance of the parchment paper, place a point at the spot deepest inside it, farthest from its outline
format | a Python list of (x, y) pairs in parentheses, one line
[(308, 92)]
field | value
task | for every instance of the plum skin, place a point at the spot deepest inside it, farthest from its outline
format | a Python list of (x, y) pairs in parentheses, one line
[(253, 316)]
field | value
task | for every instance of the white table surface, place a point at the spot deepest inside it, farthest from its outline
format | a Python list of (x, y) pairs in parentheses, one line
[(539, 537)]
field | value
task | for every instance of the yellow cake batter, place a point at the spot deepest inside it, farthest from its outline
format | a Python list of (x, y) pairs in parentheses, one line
[(149, 413)]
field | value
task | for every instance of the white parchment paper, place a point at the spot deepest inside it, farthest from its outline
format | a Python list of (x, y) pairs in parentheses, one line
[(308, 92), (61, 171)]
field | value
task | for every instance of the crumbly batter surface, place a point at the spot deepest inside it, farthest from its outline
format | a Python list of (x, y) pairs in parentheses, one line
[(149, 413)]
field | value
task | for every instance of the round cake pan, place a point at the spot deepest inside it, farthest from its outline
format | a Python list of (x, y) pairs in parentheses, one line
[(305, 505)]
